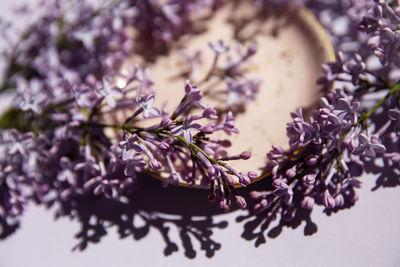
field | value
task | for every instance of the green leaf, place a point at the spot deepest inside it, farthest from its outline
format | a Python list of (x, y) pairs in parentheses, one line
[(14, 118)]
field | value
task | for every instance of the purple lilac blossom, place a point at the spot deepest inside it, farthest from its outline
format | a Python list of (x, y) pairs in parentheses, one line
[(330, 150)]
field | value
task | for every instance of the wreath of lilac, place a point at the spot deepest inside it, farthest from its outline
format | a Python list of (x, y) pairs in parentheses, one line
[(63, 76)]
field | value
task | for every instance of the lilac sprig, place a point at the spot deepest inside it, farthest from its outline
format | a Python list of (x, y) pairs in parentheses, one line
[(80, 159), (328, 152), (65, 75), (177, 139), (240, 90), (382, 25)]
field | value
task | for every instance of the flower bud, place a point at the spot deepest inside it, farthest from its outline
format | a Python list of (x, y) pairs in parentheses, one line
[(165, 122), (241, 202), (245, 155), (230, 180), (163, 145), (308, 180), (91, 79), (209, 128), (210, 113), (225, 143), (98, 189), (155, 165), (244, 180), (264, 203), (252, 175), (311, 160), (328, 200), (278, 182), (308, 202), (211, 171), (223, 204), (257, 194), (339, 200), (290, 173)]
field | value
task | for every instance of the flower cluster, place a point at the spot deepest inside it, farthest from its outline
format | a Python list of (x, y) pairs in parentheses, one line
[(329, 151), (79, 127), (239, 90)]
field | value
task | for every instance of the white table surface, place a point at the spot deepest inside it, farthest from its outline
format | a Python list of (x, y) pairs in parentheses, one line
[(365, 235)]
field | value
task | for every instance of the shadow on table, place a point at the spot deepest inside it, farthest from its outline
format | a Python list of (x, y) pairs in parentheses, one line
[(151, 207), (266, 224), (180, 215)]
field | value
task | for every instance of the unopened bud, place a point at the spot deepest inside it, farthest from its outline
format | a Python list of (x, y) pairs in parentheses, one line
[(308, 202), (241, 202), (245, 155), (329, 202)]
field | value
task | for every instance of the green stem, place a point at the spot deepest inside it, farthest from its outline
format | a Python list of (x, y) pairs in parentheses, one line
[(191, 146), (393, 90)]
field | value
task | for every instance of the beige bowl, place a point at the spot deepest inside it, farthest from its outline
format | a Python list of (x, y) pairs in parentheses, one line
[(291, 48)]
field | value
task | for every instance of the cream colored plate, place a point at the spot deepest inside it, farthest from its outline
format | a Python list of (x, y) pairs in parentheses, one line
[(291, 49)]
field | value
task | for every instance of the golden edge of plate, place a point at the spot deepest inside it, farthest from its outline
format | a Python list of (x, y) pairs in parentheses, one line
[(323, 37), (311, 21)]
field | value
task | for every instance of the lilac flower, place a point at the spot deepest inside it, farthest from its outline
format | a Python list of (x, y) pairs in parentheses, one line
[(134, 164), (371, 24), (284, 191), (355, 69), (210, 113), (186, 128), (85, 96), (300, 132), (350, 142), (389, 48), (228, 124), (174, 177), (33, 97), (311, 160), (394, 115), (67, 174), (394, 156), (192, 98), (146, 104), (275, 153), (241, 93), (368, 148), (130, 146), (329, 149), (348, 110), (332, 69), (232, 66), (219, 47), (110, 93), (19, 142), (154, 164)]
